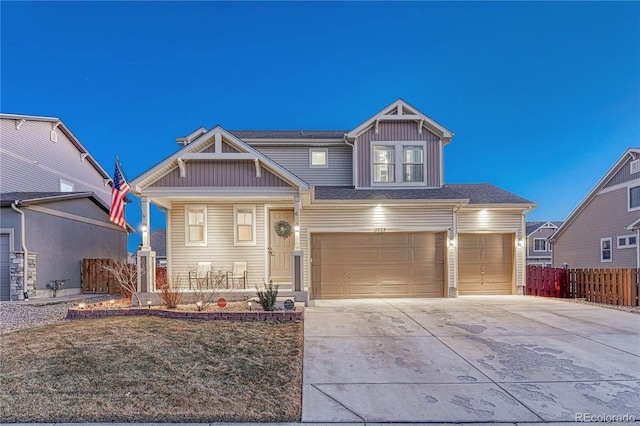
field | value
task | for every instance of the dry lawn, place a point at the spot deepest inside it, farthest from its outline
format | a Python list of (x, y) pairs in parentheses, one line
[(142, 369)]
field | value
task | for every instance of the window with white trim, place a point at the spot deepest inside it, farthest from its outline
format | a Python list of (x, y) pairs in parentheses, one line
[(540, 244), (413, 164), (635, 166), (634, 198), (605, 250), (66, 186), (398, 162), (244, 225), (627, 241), (318, 157), (195, 225)]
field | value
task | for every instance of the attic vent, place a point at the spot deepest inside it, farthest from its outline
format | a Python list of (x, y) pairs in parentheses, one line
[(635, 166)]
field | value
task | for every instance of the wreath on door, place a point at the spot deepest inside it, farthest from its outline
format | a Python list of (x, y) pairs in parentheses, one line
[(282, 228)]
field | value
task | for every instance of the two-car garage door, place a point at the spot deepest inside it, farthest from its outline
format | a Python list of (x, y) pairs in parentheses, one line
[(410, 264), (360, 265)]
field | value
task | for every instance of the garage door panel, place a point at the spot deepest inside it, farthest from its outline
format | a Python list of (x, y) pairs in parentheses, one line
[(485, 264), (378, 265)]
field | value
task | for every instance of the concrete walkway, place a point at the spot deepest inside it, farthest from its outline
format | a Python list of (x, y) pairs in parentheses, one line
[(509, 359)]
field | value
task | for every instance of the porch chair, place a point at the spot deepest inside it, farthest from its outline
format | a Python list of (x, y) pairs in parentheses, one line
[(239, 271), (200, 275)]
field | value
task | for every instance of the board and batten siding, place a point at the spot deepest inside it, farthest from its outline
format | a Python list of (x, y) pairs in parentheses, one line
[(30, 161), (296, 160), (405, 131), (497, 222), (623, 175), (220, 249), (223, 173), (606, 216), (366, 219)]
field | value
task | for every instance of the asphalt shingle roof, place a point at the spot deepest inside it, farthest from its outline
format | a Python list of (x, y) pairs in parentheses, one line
[(532, 226), (289, 134), (481, 193), (10, 197)]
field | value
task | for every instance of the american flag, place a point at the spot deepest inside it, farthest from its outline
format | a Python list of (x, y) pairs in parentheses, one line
[(118, 192)]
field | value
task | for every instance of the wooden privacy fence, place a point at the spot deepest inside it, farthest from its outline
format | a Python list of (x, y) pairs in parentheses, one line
[(610, 286), (96, 280)]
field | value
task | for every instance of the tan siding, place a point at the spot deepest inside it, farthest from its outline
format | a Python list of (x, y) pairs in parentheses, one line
[(227, 173), (365, 219), (220, 250), (29, 152), (296, 160), (623, 175), (398, 131), (604, 217), (498, 222)]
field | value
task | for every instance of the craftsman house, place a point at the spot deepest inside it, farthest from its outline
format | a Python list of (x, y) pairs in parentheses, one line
[(335, 214), (54, 201), (603, 230)]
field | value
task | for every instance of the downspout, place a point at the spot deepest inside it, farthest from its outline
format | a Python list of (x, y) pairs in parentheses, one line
[(354, 161), (23, 241)]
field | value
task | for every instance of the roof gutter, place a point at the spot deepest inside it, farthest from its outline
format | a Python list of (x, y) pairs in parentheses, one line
[(23, 243)]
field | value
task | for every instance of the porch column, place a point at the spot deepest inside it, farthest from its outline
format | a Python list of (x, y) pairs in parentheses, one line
[(146, 261), (296, 254), (296, 222)]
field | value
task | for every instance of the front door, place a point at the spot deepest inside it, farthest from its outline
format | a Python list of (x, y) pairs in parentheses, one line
[(281, 245)]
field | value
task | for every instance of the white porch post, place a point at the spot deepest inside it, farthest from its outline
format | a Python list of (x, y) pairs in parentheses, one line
[(146, 264), (296, 254)]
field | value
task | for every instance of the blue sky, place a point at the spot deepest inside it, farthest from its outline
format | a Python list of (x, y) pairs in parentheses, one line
[(543, 96)]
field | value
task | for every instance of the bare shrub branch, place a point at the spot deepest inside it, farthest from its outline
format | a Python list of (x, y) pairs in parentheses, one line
[(125, 274)]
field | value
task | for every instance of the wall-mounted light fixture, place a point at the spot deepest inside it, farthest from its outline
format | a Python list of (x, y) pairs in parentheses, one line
[(519, 242)]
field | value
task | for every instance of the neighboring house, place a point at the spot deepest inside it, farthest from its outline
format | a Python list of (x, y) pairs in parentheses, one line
[(538, 246), (55, 208), (602, 231), (159, 244), (337, 214)]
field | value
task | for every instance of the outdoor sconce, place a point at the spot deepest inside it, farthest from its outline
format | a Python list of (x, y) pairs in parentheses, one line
[(519, 243), (451, 242)]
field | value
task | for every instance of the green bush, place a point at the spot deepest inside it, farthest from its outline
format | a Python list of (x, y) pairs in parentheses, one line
[(268, 296)]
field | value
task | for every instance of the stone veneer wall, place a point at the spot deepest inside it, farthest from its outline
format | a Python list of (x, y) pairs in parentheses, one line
[(17, 276)]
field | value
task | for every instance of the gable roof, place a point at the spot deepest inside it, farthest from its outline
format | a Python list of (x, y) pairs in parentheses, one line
[(534, 226), (64, 129), (297, 135), (172, 162), (628, 154), (473, 194), (401, 110)]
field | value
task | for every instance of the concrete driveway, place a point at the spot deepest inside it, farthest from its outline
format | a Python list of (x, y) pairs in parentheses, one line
[(471, 359)]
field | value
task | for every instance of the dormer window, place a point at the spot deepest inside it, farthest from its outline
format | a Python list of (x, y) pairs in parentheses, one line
[(400, 163)]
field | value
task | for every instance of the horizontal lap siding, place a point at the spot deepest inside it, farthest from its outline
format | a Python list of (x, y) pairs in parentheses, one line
[(227, 173), (296, 160), (365, 219), (405, 131), (606, 216), (220, 250), (22, 148)]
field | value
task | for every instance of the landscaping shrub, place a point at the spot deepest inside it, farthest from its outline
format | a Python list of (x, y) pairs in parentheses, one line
[(268, 296)]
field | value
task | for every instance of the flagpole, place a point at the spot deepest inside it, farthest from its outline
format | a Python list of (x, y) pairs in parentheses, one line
[(127, 180)]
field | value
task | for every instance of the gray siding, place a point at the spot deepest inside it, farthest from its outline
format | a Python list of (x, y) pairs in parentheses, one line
[(9, 219), (623, 175), (296, 160), (62, 243), (29, 152), (220, 249), (539, 256), (223, 173), (604, 217), (398, 131)]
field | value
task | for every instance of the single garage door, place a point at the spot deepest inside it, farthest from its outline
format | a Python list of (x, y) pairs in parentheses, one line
[(485, 263), (359, 265)]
